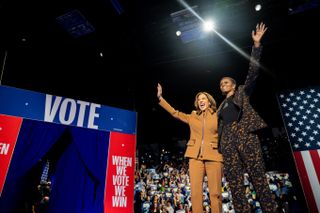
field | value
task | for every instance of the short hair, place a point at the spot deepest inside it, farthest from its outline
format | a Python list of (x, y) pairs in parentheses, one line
[(231, 79)]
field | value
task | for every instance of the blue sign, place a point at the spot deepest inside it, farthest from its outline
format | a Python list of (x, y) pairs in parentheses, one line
[(67, 111)]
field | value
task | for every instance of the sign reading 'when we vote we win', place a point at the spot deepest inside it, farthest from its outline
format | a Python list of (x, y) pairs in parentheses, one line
[(120, 174), (18, 104)]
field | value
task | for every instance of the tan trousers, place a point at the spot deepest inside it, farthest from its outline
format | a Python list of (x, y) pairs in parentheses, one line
[(197, 171)]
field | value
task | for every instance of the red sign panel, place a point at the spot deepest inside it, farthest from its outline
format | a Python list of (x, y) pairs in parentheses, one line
[(9, 130), (119, 190)]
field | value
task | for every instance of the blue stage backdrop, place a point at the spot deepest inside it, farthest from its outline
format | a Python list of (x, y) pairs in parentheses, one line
[(94, 172)]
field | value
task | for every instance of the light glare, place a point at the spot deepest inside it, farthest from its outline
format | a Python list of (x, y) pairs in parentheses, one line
[(257, 7), (208, 26)]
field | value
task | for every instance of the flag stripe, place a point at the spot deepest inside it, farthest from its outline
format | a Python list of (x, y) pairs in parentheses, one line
[(316, 162), (301, 115), (313, 174), (305, 182)]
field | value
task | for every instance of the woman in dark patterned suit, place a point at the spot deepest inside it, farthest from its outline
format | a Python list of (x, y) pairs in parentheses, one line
[(238, 143)]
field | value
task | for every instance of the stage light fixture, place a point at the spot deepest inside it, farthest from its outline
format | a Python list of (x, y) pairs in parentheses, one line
[(208, 26), (258, 7)]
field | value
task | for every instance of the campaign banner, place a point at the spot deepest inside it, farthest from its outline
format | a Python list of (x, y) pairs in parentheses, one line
[(119, 191), (67, 111), (19, 104), (9, 131)]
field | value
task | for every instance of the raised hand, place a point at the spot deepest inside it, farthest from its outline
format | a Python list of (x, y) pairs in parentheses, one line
[(159, 92), (258, 33)]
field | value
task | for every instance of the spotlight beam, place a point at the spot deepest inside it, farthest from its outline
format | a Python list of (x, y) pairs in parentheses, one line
[(241, 52)]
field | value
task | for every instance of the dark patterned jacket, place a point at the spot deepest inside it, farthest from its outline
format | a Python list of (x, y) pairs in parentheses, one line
[(248, 118)]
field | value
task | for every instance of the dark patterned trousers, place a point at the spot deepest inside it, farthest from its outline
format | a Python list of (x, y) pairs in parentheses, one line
[(242, 153)]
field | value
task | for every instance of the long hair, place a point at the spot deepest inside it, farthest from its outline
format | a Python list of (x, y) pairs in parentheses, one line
[(212, 102)]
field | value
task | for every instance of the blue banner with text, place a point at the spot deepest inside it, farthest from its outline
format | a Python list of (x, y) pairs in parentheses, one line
[(67, 111)]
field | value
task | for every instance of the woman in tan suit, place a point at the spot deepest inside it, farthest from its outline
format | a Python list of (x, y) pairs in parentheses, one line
[(204, 158)]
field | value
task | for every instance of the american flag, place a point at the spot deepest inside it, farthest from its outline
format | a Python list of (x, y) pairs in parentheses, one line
[(301, 115)]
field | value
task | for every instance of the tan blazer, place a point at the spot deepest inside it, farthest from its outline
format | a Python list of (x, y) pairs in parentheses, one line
[(203, 142)]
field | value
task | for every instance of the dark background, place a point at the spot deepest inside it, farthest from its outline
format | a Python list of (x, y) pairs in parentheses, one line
[(139, 46)]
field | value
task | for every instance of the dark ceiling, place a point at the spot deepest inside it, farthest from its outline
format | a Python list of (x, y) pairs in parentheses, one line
[(139, 48)]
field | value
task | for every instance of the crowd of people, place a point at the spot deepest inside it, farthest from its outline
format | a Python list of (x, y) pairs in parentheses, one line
[(225, 138), (222, 169), (166, 188)]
